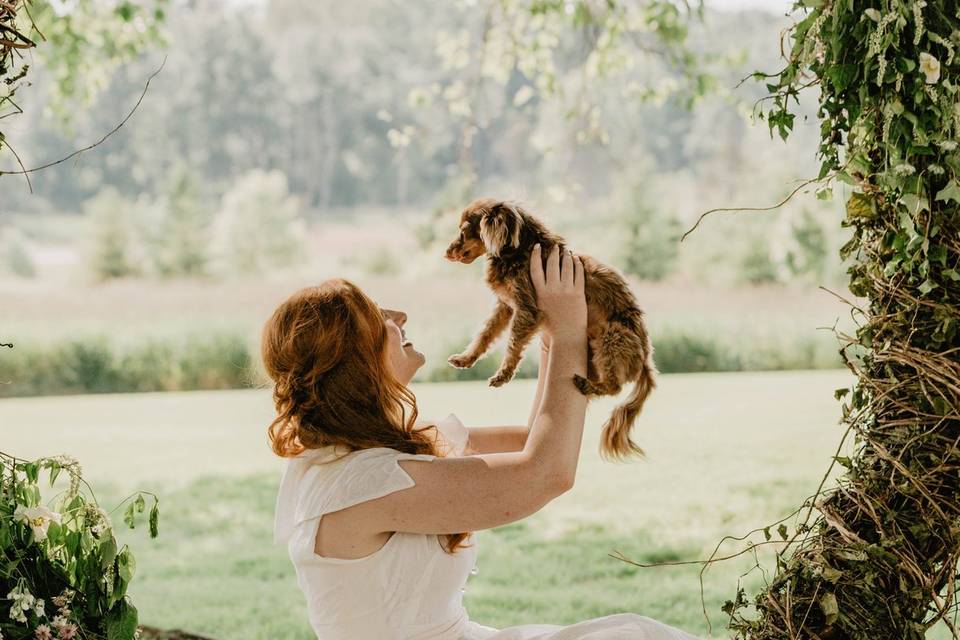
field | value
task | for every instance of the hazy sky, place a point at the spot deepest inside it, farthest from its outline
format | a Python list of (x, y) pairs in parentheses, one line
[(777, 6)]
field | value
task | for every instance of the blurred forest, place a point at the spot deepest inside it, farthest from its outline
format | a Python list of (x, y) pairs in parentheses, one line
[(287, 141), (366, 105)]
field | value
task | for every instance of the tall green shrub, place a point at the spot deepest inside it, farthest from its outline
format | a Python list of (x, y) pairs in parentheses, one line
[(176, 229), (110, 236), (260, 225)]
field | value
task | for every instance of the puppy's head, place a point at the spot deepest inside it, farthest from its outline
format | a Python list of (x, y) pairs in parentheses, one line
[(486, 226)]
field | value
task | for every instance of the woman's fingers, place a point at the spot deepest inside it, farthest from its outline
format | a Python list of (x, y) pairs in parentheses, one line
[(578, 274), (553, 264), (566, 268), (536, 268)]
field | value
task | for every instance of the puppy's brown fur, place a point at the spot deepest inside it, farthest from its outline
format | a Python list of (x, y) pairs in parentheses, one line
[(618, 345)]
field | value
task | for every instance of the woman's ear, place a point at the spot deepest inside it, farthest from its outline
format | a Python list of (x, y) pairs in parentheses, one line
[(500, 227)]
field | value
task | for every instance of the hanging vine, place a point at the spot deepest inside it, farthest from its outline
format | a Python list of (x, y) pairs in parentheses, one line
[(876, 557), (15, 24)]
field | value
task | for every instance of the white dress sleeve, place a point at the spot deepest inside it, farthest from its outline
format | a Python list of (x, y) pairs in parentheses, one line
[(312, 485), (453, 436)]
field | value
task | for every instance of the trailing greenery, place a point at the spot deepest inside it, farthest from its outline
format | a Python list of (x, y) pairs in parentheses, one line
[(879, 559), (62, 572), (14, 40)]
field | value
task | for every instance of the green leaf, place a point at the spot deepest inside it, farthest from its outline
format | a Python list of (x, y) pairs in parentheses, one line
[(126, 565), (832, 575), (828, 604), (154, 518), (839, 393), (128, 514), (951, 273), (782, 530), (927, 286), (140, 503), (860, 206), (121, 621), (949, 192), (54, 472), (914, 203), (108, 552)]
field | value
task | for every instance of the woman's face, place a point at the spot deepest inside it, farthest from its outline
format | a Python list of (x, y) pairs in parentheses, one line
[(403, 358)]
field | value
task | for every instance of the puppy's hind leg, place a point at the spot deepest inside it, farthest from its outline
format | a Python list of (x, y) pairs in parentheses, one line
[(494, 326), (525, 325), (602, 379), (623, 358)]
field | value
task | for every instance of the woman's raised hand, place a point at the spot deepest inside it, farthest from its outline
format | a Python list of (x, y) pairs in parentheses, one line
[(560, 293)]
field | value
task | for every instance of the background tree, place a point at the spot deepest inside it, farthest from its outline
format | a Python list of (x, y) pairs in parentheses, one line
[(111, 236), (177, 232), (259, 225)]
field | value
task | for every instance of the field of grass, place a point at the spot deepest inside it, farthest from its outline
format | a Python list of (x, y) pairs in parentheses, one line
[(726, 453)]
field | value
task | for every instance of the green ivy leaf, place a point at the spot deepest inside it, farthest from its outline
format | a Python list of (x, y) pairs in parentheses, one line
[(914, 203), (860, 206), (949, 192), (782, 530), (828, 604), (951, 273)]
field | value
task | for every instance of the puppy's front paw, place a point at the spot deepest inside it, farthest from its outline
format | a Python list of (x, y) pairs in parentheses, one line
[(582, 384), (501, 378), (462, 361)]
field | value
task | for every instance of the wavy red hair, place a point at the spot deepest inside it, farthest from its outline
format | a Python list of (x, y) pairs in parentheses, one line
[(324, 350)]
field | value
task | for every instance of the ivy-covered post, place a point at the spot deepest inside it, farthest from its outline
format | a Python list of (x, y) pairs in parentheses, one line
[(879, 559)]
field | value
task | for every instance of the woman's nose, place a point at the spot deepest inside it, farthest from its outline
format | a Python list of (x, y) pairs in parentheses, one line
[(399, 317)]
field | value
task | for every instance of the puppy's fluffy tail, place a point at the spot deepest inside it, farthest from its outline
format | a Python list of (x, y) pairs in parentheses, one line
[(615, 442)]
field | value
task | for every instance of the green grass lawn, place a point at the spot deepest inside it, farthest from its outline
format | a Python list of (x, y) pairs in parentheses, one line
[(726, 453)]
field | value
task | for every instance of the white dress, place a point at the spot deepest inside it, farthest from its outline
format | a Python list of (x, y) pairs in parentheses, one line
[(409, 589)]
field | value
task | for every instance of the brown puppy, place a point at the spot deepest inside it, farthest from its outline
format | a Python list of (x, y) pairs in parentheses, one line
[(618, 346)]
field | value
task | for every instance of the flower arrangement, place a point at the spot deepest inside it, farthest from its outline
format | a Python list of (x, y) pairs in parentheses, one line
[(62, 574)]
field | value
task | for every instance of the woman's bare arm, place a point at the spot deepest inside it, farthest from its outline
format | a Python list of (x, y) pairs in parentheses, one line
[(471, 493), (500, 439)]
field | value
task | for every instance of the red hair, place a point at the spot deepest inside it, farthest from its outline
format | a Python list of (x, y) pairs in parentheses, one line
[(324, 350)]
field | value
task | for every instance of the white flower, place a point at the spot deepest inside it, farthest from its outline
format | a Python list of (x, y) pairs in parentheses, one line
[(873, 14), (38, 608), (930, 67), (23, 600), (935, 169), (947, 145), (39, 519), (904, 169)]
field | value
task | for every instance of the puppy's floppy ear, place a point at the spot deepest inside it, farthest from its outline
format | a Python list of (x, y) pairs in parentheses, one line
[(500, 227)]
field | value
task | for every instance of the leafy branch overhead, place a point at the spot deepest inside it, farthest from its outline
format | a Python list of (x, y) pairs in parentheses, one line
[(79, 47), (578, 56)]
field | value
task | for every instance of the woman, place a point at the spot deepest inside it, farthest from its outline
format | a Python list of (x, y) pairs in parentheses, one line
[(377, 508)]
